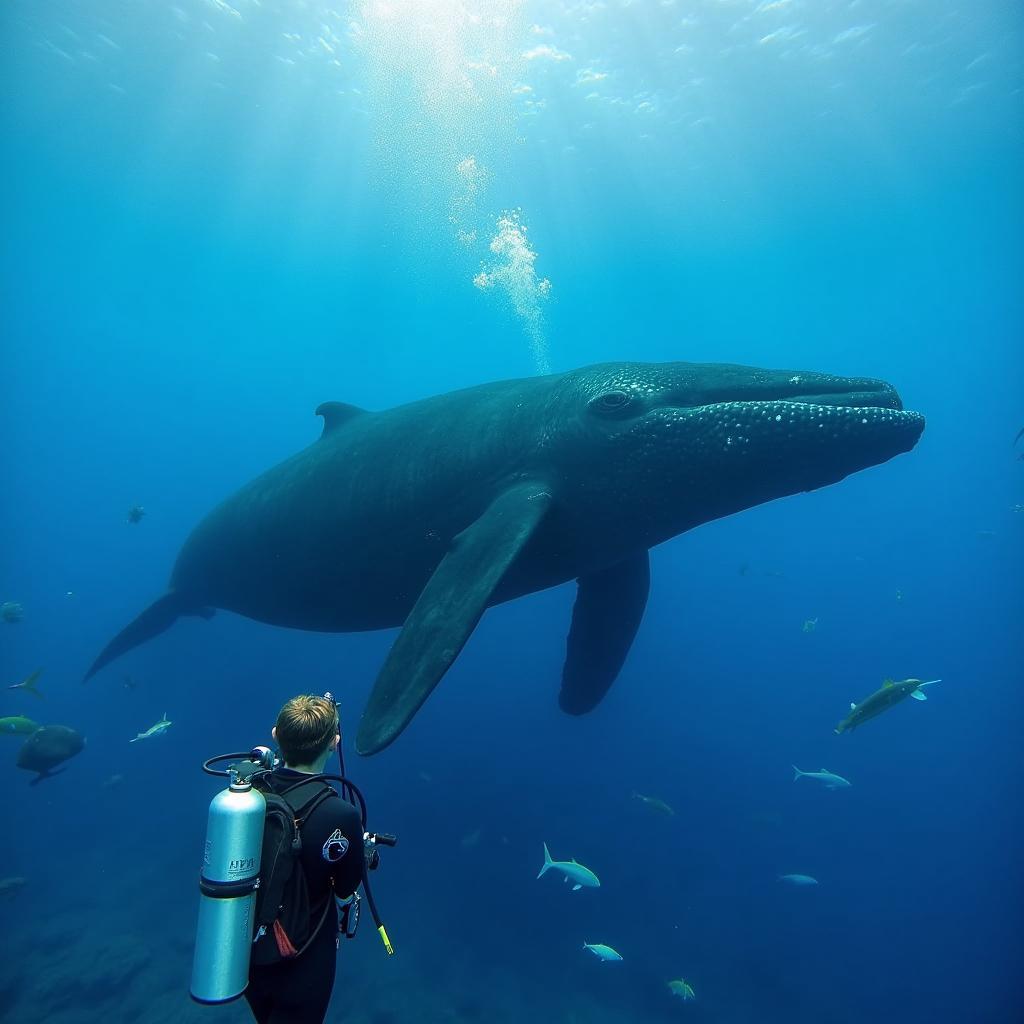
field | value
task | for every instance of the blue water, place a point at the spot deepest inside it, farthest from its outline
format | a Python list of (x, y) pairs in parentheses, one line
[(220, 214)]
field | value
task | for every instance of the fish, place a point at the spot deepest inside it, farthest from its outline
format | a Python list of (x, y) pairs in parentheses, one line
[(9, 886), (154, 730), (18, 725), (574, 872), (603, 953), (28, 684), (798, 880), (828, 779), (425, 515), (683, 989), (882, 699), (12, 611), (48, 747), (471, 839), (654, 803)]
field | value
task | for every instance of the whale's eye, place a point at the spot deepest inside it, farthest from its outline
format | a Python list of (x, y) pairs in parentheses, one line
[(611, 402)]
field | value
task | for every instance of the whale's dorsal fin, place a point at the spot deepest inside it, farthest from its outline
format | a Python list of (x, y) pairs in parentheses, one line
[(337, 414)]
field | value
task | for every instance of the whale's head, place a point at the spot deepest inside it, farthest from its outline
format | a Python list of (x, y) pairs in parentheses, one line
[(667, 446)]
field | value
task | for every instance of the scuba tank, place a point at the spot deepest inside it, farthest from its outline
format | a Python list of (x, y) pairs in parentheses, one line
[(228, 881)]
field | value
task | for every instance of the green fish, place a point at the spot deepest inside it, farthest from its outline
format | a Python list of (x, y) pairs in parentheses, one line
[(683, 989), (881, 700), (18, 725)]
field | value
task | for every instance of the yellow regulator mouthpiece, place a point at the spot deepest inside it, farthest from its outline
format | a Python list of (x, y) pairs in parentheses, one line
[(384, 938)]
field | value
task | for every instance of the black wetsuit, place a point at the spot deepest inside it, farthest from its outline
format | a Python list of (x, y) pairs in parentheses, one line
[(298, 991)]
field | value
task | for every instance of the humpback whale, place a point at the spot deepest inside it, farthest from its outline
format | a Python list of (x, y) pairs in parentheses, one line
[(425, 515)]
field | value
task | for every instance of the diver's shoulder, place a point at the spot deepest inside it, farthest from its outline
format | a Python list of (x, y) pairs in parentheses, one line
[(338, 812), (346, 812)]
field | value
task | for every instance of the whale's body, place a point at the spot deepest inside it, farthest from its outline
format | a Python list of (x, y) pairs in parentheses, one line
[(427, 514)]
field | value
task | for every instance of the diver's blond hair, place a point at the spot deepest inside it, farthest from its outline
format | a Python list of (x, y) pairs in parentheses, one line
[(305, 727)]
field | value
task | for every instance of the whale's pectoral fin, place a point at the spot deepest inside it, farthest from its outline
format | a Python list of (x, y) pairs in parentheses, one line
[(448, 610), (155, 619), (607, 614)]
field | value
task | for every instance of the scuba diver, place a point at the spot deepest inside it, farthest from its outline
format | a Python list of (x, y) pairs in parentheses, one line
[(271, 924)]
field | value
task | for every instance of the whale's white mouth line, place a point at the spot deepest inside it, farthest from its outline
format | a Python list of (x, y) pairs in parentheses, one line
[(777, 405), (888, 410)]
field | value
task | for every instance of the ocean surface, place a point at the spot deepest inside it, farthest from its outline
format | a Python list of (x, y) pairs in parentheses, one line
[(220, 213)]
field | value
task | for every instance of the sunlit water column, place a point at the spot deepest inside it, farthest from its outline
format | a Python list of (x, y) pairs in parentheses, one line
[(513, 272), (442, 77)]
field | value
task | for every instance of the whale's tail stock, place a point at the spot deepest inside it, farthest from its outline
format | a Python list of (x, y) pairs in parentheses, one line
[(160, 615)]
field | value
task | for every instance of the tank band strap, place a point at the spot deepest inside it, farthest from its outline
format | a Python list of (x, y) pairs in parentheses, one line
[(228, 890)]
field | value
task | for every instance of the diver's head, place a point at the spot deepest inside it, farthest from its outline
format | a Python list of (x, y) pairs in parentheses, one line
[(307, 731)]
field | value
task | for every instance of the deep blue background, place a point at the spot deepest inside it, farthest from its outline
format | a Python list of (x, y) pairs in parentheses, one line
[(193, 261)]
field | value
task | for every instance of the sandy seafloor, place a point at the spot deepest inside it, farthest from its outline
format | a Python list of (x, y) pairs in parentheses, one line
[(137, 972), (106, 944), (139, 976), (97, 957)]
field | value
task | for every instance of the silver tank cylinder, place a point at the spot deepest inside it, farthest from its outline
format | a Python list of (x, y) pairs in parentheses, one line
[(227, 893)]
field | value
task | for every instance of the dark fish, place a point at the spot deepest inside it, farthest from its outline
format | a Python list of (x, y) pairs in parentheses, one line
[(655, 804), (48, 747), (135, 514), (11, 611), (9, 886)]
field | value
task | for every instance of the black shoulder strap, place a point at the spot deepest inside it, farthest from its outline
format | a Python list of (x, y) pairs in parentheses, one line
[(302, 809)]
